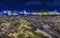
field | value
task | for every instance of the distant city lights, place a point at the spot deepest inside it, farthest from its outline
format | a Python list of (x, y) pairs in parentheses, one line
[(16, 13), (24, 12)]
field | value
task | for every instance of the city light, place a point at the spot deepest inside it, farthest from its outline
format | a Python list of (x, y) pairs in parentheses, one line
[(9, 13), (54, 12), (5, 11), (24, 12)]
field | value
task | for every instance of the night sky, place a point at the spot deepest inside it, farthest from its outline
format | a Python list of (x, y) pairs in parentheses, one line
[(33, 5)]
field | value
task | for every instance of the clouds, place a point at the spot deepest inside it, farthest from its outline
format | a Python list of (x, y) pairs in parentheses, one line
[(33, 3)]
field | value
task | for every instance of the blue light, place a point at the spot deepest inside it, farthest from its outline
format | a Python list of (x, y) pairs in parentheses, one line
[(7, 13)]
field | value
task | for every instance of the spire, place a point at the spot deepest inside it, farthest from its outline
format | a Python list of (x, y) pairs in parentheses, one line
[(25, 12)]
